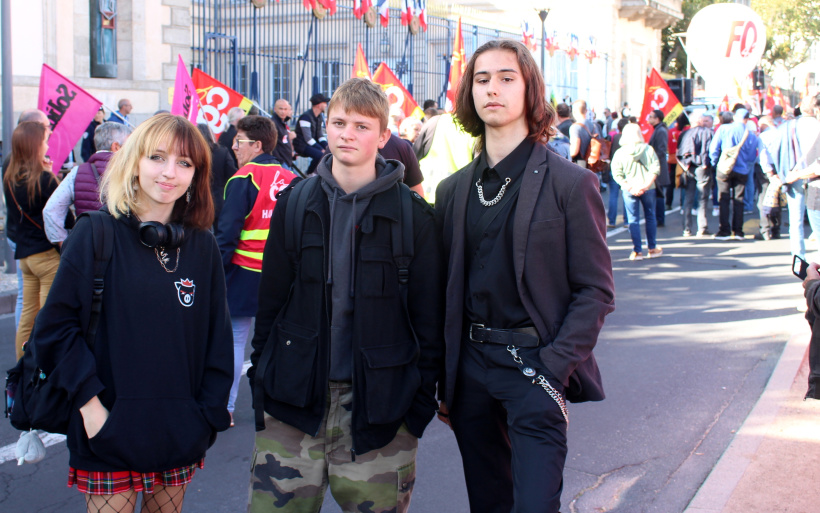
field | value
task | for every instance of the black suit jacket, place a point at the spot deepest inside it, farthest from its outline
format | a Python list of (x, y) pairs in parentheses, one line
[(562, 265)]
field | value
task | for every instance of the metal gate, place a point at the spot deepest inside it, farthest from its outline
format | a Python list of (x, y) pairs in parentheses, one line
[(283, 51)]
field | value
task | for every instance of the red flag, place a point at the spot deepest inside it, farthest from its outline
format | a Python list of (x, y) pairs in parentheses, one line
[(186, 102), (779, 99), (458, 64), (384, 12), (724, 105), (69, 109), (769, 105), (216, 99), (397, 95), (360, 67), (658, 96), (421, 10), (406, 12), (330, 5)]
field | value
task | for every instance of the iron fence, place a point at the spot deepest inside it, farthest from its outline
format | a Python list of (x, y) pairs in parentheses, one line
[(283, 51)]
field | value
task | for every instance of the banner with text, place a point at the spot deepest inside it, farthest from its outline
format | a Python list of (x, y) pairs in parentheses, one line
[(217, 99), (186, 102), (69, 109)]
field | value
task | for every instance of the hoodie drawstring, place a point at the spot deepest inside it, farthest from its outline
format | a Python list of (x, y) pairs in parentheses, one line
[(330, 239), (353, 247)]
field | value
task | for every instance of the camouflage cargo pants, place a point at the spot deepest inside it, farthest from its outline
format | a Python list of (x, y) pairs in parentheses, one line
[(291, 470)]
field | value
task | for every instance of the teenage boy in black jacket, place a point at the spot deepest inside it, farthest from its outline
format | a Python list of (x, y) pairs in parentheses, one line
[(347, 348)]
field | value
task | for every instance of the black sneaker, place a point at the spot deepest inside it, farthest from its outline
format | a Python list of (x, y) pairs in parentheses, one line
[(704, 233), (722, 236), (762, 236)]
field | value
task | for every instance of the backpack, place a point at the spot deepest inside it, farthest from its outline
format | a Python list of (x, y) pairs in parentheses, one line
[(403, 251), (728, 158), (32, 402), (598, 149)]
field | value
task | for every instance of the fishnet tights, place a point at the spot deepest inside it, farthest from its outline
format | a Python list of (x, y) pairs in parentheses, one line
[(165, 499)]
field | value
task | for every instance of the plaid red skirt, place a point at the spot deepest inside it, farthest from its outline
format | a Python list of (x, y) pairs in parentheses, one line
[(112, 483)]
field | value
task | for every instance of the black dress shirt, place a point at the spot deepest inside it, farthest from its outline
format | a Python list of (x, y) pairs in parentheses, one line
[(490, 295)]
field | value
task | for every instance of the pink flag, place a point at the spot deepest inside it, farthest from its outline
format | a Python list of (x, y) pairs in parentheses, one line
[(69, 109), (186, 101)]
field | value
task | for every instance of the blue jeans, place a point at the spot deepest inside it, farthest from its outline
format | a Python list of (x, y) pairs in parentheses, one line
[(241, 327), (633, 205), (18, 306), (796, 201), (614, 197)]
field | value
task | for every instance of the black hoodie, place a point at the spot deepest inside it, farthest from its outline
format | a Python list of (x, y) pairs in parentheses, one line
[(163, 359)]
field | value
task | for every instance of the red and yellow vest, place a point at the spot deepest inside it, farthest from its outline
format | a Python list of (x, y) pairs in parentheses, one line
[(268, 179)]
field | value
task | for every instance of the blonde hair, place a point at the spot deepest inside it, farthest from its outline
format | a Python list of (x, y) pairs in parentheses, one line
[(361, 96), (118, 188)]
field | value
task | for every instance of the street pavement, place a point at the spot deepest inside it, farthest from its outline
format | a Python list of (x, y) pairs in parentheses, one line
[(687, 355)]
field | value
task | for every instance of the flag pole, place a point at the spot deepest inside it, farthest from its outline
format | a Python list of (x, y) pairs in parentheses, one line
[(115, 113)]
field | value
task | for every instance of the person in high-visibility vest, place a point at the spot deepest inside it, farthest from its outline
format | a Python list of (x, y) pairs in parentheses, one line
[(250, 196)]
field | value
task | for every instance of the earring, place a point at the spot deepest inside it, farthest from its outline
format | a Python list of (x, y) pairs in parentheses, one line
[(188, 196)]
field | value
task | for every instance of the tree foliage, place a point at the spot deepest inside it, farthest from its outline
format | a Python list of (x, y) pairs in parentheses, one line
[(792, 26), (673, 55)]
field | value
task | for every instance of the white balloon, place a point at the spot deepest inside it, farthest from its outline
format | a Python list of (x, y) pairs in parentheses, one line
[(725, 42)]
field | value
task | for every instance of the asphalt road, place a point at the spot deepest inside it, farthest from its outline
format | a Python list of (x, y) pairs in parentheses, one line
[(684, 357)]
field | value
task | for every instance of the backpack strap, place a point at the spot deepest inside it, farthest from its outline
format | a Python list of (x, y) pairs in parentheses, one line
[(403, 246), (102, 230), (294, 214)]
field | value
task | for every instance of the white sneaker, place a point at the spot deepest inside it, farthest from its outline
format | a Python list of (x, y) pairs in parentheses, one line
[(715, 211)]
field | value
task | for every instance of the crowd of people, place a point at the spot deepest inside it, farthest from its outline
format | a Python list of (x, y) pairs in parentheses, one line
[(372, 310)]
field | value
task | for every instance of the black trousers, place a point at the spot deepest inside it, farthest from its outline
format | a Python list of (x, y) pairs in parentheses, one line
[(731, 191), (511, 434)]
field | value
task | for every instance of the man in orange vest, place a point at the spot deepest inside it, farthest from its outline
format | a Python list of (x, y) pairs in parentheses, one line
[(244, 222)]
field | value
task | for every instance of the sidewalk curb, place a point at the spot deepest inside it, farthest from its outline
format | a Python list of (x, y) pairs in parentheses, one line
[(721, 482)]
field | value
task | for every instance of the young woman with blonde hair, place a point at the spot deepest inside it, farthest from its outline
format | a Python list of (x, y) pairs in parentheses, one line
[(152, 393)]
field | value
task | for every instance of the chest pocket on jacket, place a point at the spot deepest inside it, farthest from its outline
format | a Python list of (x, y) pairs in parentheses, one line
[(378, 274), (548, 233), (312, 258)]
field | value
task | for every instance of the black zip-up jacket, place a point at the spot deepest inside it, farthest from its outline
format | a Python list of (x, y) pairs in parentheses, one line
[(396, 360), (162, 362), (310, 131)]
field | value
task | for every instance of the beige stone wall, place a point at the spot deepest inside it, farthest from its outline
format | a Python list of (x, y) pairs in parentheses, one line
[(150, 34)]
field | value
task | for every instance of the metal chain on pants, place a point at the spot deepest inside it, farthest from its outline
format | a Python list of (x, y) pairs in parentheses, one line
[(529, 372)]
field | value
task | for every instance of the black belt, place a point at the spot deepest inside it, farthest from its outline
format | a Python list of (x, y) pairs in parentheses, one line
[(519, 337)]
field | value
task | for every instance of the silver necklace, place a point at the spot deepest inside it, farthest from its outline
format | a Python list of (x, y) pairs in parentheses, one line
[(498, 196), (162, 257)]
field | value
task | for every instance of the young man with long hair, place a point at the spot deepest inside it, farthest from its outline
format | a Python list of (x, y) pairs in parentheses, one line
[(529, 284)]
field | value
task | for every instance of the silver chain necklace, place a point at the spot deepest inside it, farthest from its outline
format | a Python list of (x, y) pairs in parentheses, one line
[(162, 257), (498, 196)]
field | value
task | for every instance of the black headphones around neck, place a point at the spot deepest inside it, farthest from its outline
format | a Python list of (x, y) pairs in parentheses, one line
[(157, 235)]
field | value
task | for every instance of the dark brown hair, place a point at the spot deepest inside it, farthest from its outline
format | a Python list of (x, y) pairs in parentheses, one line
[(539, 112), (259, 128), (25, 164), (117, 189)]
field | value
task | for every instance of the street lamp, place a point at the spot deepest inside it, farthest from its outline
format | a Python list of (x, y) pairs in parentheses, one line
[(543, 15)]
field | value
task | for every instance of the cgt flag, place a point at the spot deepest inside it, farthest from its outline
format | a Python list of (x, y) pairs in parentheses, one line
[(658, 96), (186, 102), (216, 99), (458, 64), (360, 67), (69, 109), (397, 95)]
